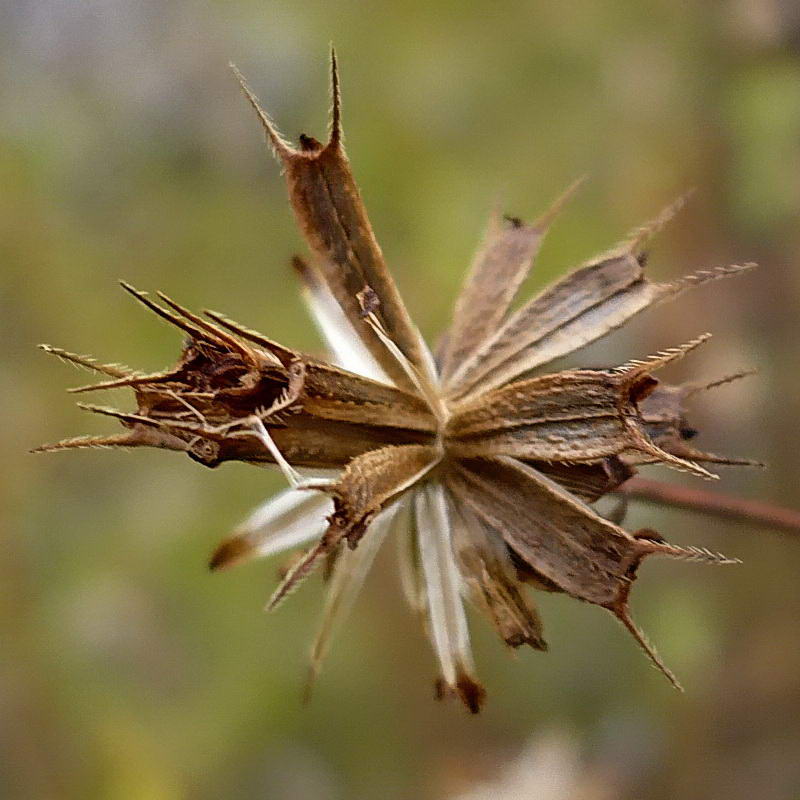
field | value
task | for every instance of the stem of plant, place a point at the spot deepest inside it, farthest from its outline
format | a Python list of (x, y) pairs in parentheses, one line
[(721, 505)]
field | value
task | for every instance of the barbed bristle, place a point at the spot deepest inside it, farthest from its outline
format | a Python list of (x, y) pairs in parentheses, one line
[(704, 276), (280, 147), (638, 237), (622, 613), (137, 379), (691, 389), (270, 348), (123, 416), (174, 319), (335, 136), (219, 335), (687, 553), (639, 366), (88, 362), (82, 442)]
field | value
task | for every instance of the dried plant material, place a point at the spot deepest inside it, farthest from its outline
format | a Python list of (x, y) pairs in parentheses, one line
[(484, 473), (488, 572), (587, 304), (500, 267), (328, 207), (568, 417), (367, 485), (664, 416), (288, 520), (351, 568)]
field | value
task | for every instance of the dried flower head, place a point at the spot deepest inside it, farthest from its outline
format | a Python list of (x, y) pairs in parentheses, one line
[(481, 462)]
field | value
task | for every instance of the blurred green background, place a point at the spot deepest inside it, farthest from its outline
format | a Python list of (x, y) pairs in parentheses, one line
[(127, 671)]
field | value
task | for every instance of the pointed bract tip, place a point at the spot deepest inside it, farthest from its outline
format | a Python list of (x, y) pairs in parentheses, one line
[(296, 575), (140, 295), (112, 370), (83, 442), (136, 379), (129, 288), (217, 334), (557, 206), (280, 147), (684, 553), (645, 445), (177, 320), (269, 348), (683, 464), (692, 389), (123, 416), (703, 276), (640, 236), (622, 613), (693, 454), (335, 137), (644, 366)]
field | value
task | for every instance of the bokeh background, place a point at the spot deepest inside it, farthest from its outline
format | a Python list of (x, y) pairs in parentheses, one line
[(127, 671)]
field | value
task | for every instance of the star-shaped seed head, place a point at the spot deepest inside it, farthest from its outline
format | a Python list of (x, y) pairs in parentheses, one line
[(483, 461)]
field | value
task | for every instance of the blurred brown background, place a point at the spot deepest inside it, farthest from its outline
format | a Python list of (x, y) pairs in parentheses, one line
[(127, 671)]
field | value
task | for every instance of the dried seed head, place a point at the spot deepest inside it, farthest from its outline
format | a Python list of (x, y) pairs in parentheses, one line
[(486, 471)]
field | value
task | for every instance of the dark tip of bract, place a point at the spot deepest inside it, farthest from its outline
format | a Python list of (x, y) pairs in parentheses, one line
[(520, 639), (467, 689), (471, 693), (308, 144), (229, 553)]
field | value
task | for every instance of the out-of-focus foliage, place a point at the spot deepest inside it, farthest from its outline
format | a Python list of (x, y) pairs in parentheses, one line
[(126, 151)]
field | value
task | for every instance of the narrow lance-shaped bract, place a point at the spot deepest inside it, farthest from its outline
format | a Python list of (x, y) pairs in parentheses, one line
[(328, 207)]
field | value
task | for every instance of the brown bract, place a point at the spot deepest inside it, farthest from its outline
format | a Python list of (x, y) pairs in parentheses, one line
[(484, 464)]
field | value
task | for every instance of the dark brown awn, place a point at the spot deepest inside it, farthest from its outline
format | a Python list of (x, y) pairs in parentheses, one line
[(481, 463)]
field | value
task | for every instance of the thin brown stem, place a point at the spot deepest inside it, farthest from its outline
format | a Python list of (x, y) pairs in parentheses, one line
[(721, 505)]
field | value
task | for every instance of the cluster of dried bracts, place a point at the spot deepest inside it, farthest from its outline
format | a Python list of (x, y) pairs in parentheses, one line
[(483, 464)]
